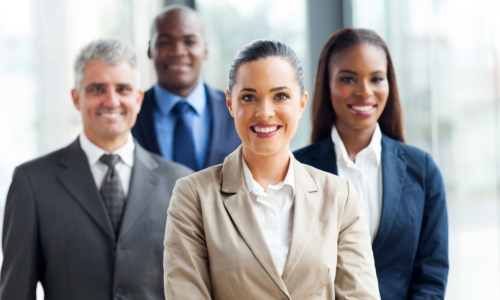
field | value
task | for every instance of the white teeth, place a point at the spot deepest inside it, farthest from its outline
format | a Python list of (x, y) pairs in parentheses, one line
[(265, 129), (362, 108), (114, 115)]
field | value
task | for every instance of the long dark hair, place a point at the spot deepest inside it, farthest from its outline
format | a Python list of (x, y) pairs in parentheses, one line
[(258, 49), (323, 115)]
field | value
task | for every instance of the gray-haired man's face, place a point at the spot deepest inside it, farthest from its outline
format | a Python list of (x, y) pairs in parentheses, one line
[(108, 100)]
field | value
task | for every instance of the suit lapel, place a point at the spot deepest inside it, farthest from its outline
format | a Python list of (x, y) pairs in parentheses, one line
[(239, 207), (143, 184), (219, 127), (393, 176), (305, 208), (79, 181)]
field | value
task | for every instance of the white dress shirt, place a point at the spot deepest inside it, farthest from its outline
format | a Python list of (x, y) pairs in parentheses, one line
[(274, 212), (365, 174), (99, 169)]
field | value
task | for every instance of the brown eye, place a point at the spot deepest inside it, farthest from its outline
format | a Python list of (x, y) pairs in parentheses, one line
[(282, 96), (248, 98)]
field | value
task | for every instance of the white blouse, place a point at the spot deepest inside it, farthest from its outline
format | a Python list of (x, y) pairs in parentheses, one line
[(365, 174)]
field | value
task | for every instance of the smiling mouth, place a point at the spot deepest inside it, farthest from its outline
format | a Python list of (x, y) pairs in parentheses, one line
[(177, 67), (362, 109), (110, 115), (267, 129)]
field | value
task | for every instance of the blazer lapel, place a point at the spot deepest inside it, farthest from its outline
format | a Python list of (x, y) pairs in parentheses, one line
[(219, 127), (239, 207), (79, 181), (305, 208), (142, 187), (393, 176)]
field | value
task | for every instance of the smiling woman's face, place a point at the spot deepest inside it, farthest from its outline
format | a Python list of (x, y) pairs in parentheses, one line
[(266, 103), (358, 86)]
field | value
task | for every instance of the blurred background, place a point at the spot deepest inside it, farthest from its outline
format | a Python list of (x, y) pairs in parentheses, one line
[(447, 58)]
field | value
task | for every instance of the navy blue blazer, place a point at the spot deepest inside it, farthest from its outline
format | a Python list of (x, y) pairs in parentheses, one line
[(223, 137), (411, 245)]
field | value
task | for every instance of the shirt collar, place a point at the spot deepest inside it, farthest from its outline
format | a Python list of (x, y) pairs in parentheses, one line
[(254, 187), (94, 152), (166, 100), (375, 145)]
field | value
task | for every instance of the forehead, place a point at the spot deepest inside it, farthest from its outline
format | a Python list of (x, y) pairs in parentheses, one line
[(360, 57), (178, 23), (97, 71), (267, 73)]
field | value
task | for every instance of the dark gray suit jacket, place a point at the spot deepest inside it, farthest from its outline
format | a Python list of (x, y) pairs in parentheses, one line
[(57, 230)]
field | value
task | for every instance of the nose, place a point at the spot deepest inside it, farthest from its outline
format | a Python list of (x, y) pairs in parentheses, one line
[(112, 99), (179, 49), (364, 90), (265, 109)]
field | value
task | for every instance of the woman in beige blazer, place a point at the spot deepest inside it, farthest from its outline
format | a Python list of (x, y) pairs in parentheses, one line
[(262, 225)]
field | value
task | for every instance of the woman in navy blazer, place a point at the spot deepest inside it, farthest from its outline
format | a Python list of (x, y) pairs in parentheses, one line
[(355, 95)]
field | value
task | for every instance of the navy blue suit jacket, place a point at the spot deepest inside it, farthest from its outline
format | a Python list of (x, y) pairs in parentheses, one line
[(411, 245), (223, 137)]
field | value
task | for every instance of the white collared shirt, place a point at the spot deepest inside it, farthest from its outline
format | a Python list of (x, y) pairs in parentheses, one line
[(365, 174), (99, 169), (274, 212)]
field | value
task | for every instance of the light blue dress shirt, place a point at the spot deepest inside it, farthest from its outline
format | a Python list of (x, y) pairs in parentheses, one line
[(199, 117)]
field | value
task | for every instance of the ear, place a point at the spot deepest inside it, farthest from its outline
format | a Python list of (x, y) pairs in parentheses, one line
[(150, 56), (139, 99), (75, 95), (229, 103), (303, 102), (206, 50)]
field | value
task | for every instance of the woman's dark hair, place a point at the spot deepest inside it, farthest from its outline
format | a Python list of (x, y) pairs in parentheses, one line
[(323, 115), (258, 49)]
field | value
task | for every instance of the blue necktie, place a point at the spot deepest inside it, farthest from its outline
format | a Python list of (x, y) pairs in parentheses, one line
[(183, 137)]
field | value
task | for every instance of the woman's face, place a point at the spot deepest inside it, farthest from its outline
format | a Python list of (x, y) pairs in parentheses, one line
[(266, 103), (358, 86)]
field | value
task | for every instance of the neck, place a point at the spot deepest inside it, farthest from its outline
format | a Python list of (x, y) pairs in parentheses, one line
[(267, 169), (355, 140), (108, 145), (182, 91)]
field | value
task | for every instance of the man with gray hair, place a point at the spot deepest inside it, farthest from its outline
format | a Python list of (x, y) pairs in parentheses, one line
[(87, 221)]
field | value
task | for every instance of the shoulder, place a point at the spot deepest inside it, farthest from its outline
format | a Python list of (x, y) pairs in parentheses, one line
[(169, 168), (413, 156), (206, 179), (315, 149), (325, 182), (51, 159), (214, 94)]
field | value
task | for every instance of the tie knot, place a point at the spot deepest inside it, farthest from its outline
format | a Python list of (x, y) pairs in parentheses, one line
[(110, 159), (181, 108)]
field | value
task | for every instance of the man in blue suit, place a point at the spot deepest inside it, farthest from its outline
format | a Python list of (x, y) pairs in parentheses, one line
[(182, 118)]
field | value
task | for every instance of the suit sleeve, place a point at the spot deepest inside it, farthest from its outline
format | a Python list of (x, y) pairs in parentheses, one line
[(430, 271), (186, 256), (22, 261), (356, 276)]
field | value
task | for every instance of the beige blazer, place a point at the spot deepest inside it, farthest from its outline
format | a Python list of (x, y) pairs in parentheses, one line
[(215, 249)]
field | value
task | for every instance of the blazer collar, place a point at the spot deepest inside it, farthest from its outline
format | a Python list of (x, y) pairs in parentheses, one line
[(143, 185), (240, 208), (393, 177), (79, 181)]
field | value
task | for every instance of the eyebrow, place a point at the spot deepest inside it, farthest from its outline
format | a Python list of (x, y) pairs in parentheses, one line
[(354, 73), (168, 35), (271, 90)]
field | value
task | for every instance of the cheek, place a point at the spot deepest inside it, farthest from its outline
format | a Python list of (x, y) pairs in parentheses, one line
[(340, 92), (382, 93)]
